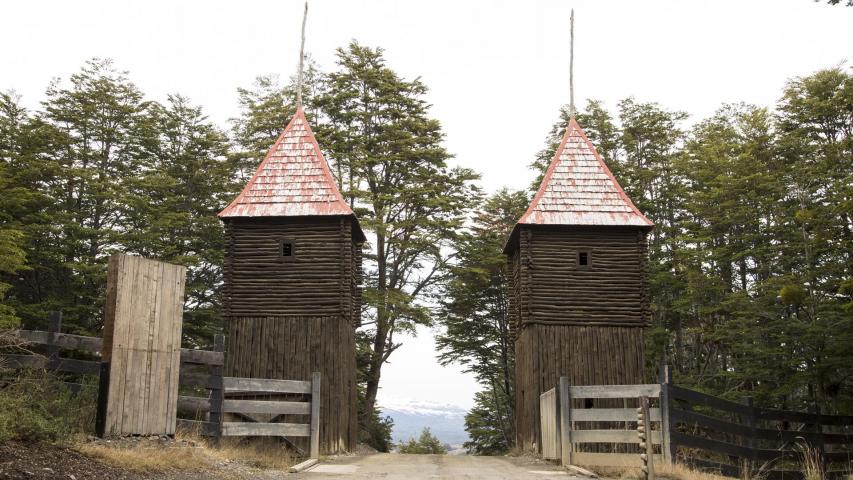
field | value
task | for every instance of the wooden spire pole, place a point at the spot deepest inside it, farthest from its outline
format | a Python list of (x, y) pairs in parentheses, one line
[(572, 64), (301, 60)]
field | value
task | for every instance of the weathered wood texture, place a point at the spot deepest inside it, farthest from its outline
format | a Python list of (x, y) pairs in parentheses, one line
[(321, 279), (293, 348), (142, 345), (593, 355), (548, 286), (584, 322), (550, 420), (289, 317)]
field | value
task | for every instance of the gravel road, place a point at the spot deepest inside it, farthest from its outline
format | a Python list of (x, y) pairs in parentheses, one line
[(392, 466)]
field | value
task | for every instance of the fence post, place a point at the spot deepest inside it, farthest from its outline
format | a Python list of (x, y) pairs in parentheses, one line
[(217, 393), (315, 415), (54, 326), (565, 398), (666, 447), (750, 423), (820, 444), (644, 430)]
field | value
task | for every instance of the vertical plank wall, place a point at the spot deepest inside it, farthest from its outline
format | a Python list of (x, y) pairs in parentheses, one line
[(142, 344)]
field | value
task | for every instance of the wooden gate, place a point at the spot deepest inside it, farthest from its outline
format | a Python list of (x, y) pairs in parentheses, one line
[(142, 347), (567, 428)]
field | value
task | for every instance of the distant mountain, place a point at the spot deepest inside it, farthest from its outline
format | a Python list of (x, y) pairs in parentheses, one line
[(445, 421)]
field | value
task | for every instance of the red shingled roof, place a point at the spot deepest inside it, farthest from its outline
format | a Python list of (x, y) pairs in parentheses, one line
[(578, 189), (293, 180)]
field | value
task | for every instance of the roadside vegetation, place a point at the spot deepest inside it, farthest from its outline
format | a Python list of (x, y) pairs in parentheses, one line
[(426, 444)]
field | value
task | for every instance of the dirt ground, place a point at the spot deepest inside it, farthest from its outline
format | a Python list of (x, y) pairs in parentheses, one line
[(43, 462), (391, 466)]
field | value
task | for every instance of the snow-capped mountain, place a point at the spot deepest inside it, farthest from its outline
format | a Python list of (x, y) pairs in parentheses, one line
[(445, 421)]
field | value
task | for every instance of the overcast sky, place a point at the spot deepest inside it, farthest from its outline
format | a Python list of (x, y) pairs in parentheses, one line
[(498, 71)]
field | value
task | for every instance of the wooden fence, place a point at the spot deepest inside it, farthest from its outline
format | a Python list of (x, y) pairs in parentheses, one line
[(737, 436), (200, 370), (583, 425)]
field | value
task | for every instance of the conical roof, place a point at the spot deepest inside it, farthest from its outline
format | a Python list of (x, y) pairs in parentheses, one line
[(293, 180), (578, 189)]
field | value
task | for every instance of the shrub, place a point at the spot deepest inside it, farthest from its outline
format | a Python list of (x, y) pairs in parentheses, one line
[(427, 443), (36, 406)]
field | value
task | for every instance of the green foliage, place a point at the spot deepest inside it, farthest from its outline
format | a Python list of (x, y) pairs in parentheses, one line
[(427, 444), (35, 406), (100, 170), (375, 430), (473, 311), (486, 424)]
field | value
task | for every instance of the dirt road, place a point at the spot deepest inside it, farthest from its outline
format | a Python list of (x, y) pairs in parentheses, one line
[(392, 466)]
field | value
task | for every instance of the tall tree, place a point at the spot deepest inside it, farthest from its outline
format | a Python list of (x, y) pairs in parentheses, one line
[(383, 142), (173, 204), (474, 311), (87, 142)]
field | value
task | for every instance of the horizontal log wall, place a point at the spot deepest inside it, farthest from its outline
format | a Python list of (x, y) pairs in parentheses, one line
[(319, 280), (610, 291), (291, 348), (588, 355)]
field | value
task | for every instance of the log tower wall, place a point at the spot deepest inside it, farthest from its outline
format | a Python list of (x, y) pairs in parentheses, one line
[(585, 322), (289, 317)]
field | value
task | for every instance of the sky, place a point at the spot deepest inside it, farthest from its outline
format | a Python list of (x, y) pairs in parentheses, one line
[(497, 71)]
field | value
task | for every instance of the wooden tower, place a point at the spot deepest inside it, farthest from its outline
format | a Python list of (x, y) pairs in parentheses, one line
[(578, 295), (292, 279)]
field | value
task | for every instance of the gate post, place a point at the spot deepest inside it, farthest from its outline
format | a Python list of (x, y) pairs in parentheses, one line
[(217, 393), (565, 398), (315, 415), (666, 445)]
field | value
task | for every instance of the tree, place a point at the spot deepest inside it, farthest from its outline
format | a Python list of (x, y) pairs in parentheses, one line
[(426, 444), (15, 198), (387, 155), (173, 204), (485, 425), (474, 313), (78, 155)]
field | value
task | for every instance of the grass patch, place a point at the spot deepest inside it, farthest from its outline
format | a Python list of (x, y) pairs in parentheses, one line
[(673, 471), (266, 453), (149, 458), (190, 453)]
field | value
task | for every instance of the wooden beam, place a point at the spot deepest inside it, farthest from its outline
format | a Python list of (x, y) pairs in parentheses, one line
[(611, 414), (202, 357), (258, 385), (266, 406), (616, 391), (246, 429), (62, 340)]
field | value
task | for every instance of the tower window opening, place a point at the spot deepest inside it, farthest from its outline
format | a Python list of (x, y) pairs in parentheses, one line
[(583, 259), (286, 249)]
